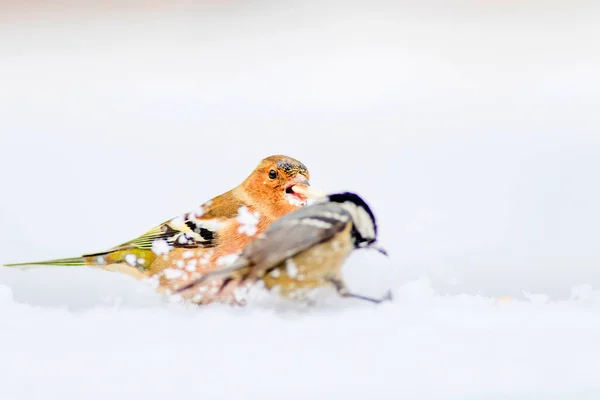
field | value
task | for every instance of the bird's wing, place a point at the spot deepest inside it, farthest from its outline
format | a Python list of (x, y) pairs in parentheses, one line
[(286, 237), (196, 229), (185, 231)]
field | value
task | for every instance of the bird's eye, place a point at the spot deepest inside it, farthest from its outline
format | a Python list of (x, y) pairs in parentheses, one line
[(272, 174)]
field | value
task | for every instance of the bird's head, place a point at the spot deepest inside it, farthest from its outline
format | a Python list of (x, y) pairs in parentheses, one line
[(280, 182), (364, 225)]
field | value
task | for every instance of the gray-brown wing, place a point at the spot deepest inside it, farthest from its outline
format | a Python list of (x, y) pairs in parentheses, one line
[(290, 236)]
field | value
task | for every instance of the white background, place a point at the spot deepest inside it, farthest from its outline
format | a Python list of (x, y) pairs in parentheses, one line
[(471, 128)]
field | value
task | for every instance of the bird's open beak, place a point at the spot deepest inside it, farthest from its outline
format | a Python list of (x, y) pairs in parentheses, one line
[(299, 190)]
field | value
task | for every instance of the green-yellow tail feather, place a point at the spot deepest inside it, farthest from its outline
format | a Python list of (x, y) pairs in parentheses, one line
[(67, 262)]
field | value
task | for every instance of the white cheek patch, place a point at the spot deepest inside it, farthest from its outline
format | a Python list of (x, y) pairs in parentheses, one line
[(366, 222), (362, 220)]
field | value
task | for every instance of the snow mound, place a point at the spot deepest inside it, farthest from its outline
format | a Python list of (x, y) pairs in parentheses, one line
[(419, 345)]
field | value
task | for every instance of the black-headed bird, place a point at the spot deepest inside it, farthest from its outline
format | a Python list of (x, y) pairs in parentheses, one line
[(301, 251)]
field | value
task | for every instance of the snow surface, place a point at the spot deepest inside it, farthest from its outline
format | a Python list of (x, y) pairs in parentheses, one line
[(471, 129), (420, 345)]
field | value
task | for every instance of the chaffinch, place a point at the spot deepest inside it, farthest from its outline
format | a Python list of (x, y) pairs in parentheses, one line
[(203, 239)]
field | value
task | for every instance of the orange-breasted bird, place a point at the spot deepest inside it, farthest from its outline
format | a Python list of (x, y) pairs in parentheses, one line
[(202, 239), (301, 251)]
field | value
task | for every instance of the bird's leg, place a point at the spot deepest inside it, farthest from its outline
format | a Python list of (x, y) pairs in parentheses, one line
[(344, 292), (388, 296), (377, 248)]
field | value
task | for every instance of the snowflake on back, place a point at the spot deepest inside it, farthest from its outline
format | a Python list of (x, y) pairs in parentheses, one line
[(248, 221)]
